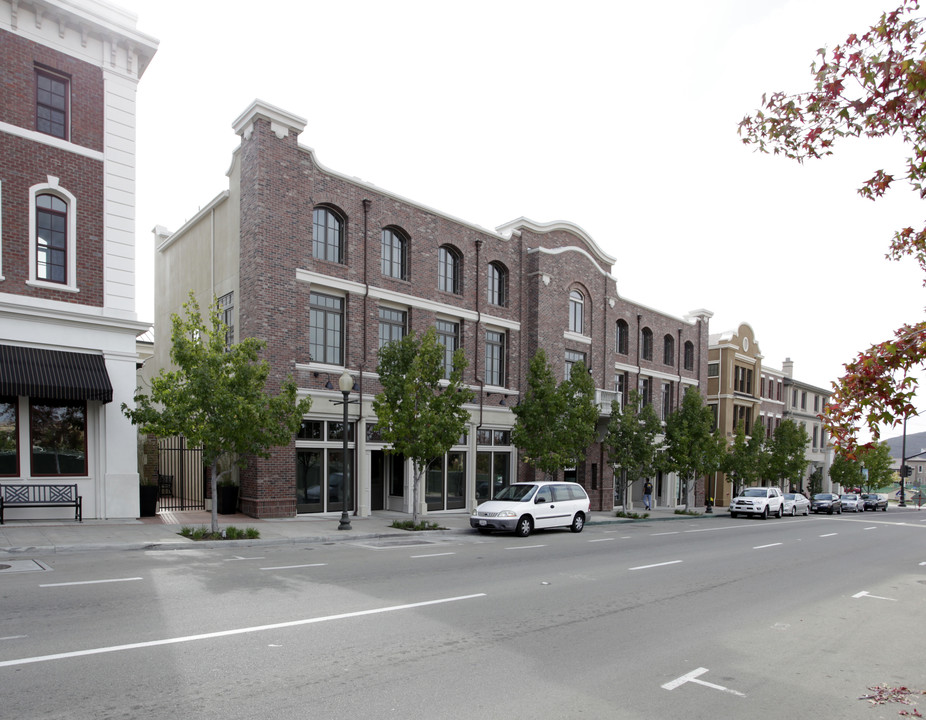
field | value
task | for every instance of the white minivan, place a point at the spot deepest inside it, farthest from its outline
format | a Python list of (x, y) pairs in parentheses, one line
[(521, 507)]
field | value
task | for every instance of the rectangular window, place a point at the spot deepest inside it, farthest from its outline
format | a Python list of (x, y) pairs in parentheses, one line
[(495, 358), (816, 435), (742, 382), (666, 400), (713, 369), (392, 325), (646, 390), (9, 437), (51, 104), (742, 414), (620, 385), (326, 330), (59, 438), (803, 400), (572, 357), (448, 335), (226, 305)]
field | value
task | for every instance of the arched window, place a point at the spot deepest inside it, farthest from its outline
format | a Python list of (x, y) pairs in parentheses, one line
[(52, 237), (449, 266), (327, 235), (576, 312), (623, 337), (668, 350), (646, 344), (498, 284), (689, 355), (394, 254)]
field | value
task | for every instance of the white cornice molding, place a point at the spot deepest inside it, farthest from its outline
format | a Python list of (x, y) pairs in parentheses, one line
[(16, 307), (573, 248), (356, 288), (278, 118), (514, 227), (51, 141)]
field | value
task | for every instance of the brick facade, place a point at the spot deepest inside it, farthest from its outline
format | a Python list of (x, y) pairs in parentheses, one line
[(274, 187)]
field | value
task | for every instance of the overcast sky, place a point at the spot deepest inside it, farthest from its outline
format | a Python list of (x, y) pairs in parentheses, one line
[(620, 117)]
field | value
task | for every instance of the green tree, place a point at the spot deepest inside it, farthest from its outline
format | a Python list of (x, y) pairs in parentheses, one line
[(692, 449), (419, 414), (555, 425), (849, 471), (632, 442), (787, 459), (217, 397), (873, 85), (745, 459)]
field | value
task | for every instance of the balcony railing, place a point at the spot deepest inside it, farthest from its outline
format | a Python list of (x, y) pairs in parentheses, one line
[(604, 398)]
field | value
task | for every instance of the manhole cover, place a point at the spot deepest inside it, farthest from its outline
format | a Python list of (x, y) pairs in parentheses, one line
[(23, 566), (382, 544)]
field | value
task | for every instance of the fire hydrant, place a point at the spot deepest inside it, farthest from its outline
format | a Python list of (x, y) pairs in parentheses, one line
[(710, 506)]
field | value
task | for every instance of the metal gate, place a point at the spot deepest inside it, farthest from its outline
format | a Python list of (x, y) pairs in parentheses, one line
[(181, 475)]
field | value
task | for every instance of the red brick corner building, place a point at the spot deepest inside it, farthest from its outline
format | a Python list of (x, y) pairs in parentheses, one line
[(326, 268)]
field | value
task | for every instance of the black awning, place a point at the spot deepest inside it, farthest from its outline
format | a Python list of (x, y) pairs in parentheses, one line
[(53, 374)]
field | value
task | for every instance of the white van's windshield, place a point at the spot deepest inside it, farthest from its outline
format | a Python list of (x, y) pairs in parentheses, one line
[(517, 493)]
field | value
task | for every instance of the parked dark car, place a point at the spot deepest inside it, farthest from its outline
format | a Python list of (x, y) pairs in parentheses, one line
[(826, 502), (875, 501)]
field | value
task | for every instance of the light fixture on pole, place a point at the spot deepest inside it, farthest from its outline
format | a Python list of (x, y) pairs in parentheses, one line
[(346, 384)]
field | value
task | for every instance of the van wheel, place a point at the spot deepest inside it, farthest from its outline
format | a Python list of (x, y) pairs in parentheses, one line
[(525, 526), (578, 522), (780, 511), (765, 513)]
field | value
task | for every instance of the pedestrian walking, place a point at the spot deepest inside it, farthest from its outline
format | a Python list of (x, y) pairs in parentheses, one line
[(648, 495)]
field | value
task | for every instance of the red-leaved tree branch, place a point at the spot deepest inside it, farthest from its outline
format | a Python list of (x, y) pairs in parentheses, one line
[(872, 85)]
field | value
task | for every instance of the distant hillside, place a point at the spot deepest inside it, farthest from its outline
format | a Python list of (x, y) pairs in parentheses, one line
[(916, 443)]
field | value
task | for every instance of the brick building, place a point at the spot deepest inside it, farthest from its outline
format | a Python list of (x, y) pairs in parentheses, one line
[(67, 248), (326, 268)]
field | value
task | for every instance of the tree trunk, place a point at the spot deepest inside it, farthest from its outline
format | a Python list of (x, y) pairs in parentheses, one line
[(213, 485), (416, 484)]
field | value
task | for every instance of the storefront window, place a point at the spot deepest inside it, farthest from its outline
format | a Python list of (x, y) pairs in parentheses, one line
[(59, 438), (9, 437)]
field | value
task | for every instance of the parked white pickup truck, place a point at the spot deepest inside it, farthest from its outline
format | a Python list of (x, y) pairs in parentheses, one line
[(761, 501)]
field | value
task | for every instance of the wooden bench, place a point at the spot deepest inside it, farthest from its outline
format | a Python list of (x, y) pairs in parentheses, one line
[(39, 495)]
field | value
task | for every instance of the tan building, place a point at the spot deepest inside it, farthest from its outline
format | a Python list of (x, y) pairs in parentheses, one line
[(734, 374)]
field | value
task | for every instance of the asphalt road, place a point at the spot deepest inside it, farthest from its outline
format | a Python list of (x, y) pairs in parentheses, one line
[(712, 618)]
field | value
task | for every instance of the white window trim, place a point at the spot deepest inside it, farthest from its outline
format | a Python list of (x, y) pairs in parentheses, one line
[(54, 188)]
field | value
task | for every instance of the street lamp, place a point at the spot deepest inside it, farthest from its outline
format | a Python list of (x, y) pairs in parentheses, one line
[(346, 384)]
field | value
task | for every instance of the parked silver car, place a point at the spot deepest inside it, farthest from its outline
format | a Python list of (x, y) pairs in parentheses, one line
[(796, 504), (852, 501)]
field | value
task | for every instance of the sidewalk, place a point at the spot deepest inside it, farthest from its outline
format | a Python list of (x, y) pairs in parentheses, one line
[(31, 537)]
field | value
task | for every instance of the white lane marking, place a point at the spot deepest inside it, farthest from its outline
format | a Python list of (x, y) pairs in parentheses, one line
[(433, 555), (692, 677), (829, 535), (865, 593), (647, 567), (923, 563), (90, 582), (14, 637), (294, 567), (870, 528), (525, 547), (238, 557), (237, 631), (602, 540), (760, 547), (674, 532)]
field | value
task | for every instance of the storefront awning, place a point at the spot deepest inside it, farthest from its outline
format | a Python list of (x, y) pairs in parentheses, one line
[(53, 374)]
